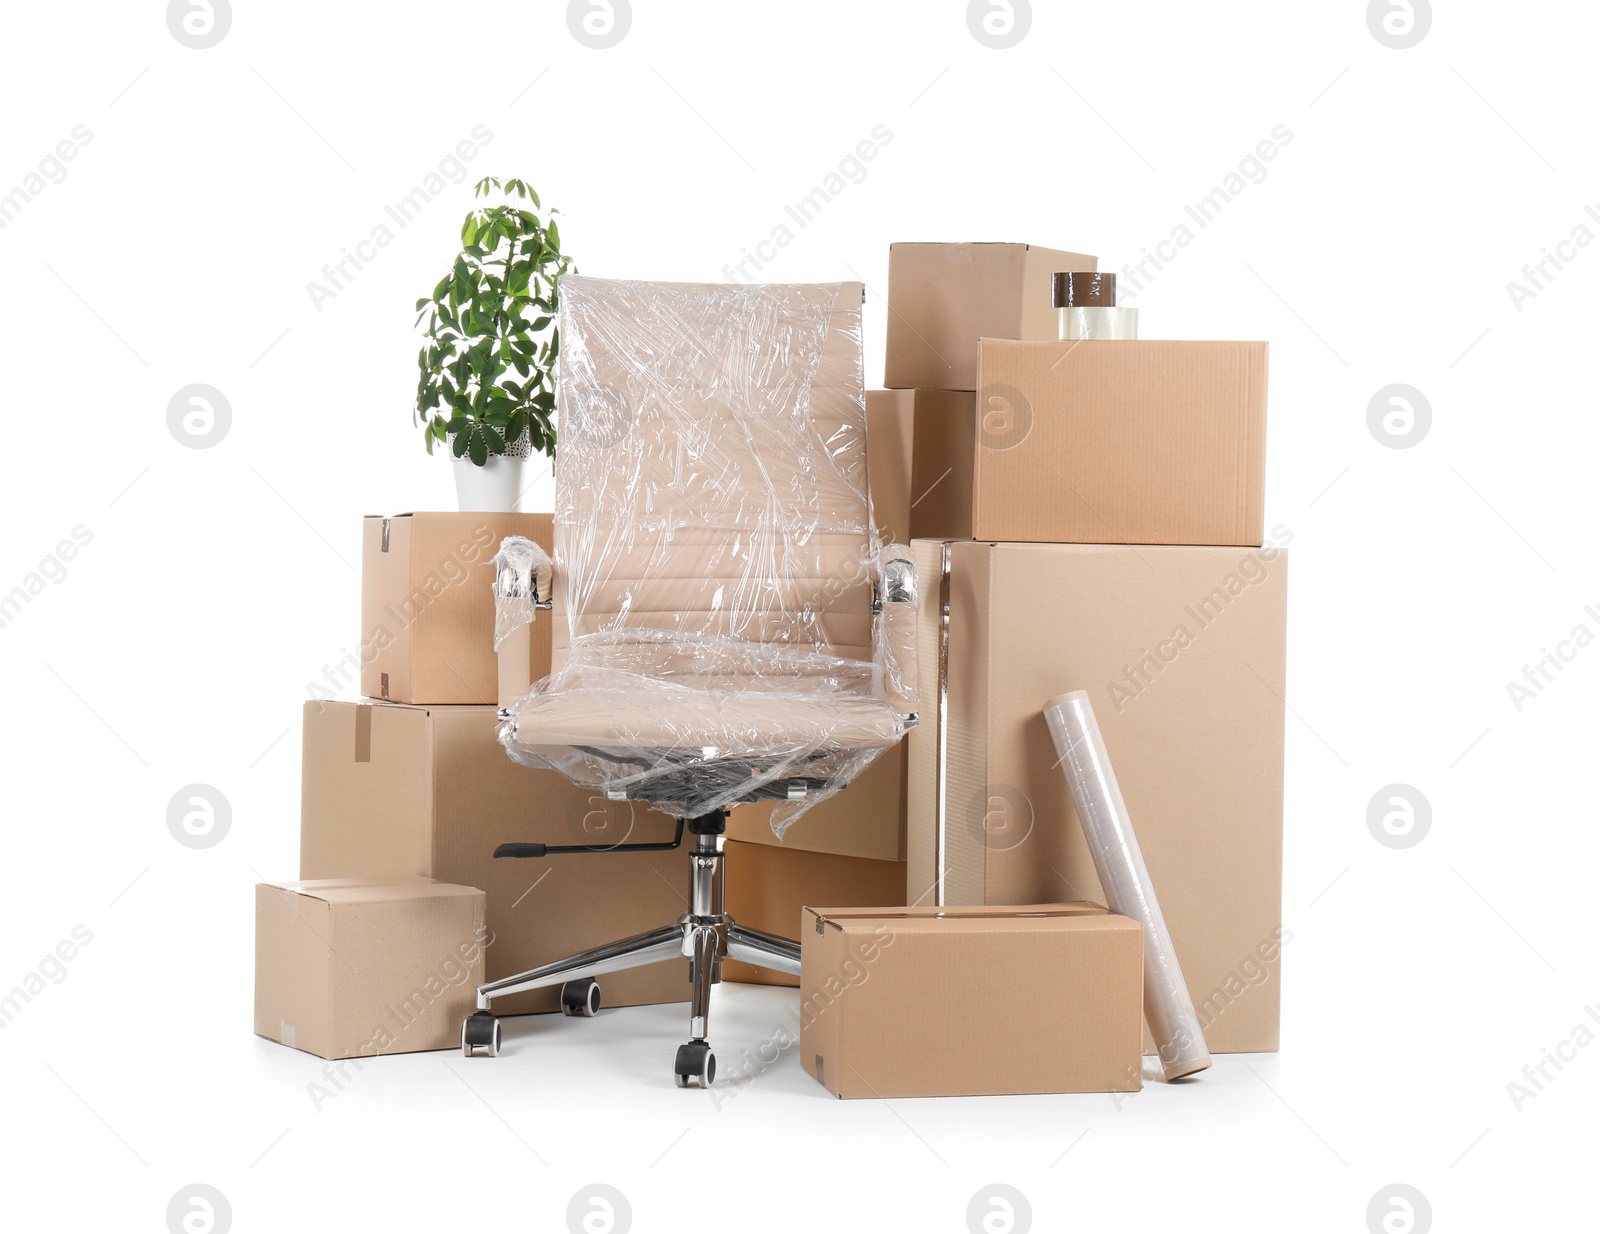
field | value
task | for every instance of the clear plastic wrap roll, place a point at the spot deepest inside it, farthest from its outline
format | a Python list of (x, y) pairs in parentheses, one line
[(1125, 880), (728, 626)]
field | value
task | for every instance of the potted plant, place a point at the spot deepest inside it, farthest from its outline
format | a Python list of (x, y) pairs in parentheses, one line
[(487, 367)]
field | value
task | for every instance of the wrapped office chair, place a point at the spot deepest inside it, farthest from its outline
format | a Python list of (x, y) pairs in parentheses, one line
[(728, 627)]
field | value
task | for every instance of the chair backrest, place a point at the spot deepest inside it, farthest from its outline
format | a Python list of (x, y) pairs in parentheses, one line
[(711, 464)]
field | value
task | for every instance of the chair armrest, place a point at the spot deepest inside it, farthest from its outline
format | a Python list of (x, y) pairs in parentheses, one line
[(896, 634), (523, 581)]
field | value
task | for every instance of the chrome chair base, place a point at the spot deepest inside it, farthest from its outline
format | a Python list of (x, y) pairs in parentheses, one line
[(705, 935)]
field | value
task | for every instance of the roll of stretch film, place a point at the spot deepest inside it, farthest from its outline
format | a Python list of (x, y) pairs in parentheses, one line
[(1126, 881)]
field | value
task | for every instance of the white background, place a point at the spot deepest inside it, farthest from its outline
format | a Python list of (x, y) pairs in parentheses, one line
[(219, 582)]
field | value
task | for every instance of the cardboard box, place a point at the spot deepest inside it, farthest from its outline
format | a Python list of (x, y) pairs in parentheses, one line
[(351, 968), (1098, 442), (393, 790), (941, 460), (969, 1002), (867, 818), (1182, 652), (944, 297), (889, 460), (427, 605), (766, 888)]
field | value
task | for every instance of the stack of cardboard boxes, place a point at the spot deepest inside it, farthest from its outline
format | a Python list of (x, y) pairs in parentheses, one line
[(1084, 516), (1088, 515), (408, 789)]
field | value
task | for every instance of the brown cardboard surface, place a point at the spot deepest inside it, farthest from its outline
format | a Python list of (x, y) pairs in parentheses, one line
[(1099, 442), (427, 608), (350, 968), (1181, 650), (865, 819), (902, 1003), (889, 446), (435, 794), (944, 297), (925, 748), (766, 887), (943, 466)]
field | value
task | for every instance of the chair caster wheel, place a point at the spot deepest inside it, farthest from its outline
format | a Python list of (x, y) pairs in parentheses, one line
[(696, 1062), (480, 1034), (580, 997)]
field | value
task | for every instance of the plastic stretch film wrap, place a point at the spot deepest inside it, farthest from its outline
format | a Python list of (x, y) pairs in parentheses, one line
[(1126, 881), (521, 582), (728, 626)]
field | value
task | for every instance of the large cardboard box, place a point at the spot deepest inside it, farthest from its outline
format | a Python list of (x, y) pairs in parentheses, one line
[(767, 888), (427, 605), (1099, 442), (1181, 650), (971, 1001), (393, 790), (351, 968), (944, 297)]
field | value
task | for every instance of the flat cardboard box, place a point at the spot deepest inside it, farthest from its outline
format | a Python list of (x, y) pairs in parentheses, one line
[(971, 1002), (1181, 650), (766, 888), (944, 297), (394, 790), (867, 818), (427, 605), (1099, 442), (352, 968)]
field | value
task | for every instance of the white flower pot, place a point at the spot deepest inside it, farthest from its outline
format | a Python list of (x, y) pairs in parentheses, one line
[(493, 487)]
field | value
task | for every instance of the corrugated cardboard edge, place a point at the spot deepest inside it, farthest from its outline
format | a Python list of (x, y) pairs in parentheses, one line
[(964, 769), (923, 782), (1255, 470)]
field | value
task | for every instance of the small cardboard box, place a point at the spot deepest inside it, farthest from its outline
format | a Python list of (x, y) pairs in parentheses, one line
[(967, 1002), (1099, 442), (944, 297), (427, 605), (351, 968), (1181, 650), (391, 790), (767, 887)]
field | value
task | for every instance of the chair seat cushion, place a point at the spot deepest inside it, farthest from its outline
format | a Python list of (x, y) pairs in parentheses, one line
[(628, 708), (651, 691)]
